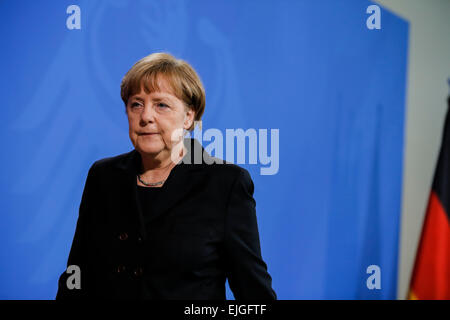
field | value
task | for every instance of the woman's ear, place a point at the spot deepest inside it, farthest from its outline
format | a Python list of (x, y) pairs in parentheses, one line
[(189, 118)]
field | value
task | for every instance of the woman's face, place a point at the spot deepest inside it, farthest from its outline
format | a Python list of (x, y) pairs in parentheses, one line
[(156, 120)]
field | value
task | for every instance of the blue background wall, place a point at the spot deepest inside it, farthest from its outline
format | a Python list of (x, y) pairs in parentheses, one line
[(312, 69)]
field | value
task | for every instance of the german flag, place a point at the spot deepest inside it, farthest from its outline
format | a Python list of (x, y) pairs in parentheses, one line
[(431, 275)]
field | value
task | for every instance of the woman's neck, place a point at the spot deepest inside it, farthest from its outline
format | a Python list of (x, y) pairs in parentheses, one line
[(159, 166)]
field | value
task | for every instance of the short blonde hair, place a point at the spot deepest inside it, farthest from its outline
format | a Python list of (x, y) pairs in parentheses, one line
[(180, 76)]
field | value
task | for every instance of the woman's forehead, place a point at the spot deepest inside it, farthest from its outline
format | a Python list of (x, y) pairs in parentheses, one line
[(156, 93)]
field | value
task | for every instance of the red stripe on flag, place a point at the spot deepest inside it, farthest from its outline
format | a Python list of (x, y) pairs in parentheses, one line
[(431, 275)]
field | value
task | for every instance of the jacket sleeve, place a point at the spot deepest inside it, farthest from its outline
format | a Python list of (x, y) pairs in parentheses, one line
[(78, 251), (246, 271)]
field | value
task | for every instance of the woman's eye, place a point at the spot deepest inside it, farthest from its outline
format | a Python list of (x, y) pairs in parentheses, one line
[(135, 104), (162, 105)]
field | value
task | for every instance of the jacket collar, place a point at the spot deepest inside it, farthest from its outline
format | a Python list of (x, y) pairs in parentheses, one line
[(183, 177)]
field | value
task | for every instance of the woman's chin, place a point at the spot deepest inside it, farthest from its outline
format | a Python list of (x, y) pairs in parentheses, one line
[(150, 148)]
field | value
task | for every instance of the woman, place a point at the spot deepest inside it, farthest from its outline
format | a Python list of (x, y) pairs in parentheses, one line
[(166, 220)]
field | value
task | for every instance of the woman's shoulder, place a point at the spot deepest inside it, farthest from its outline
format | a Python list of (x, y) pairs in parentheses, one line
[(215, 167), (226, 169), (121, 160)]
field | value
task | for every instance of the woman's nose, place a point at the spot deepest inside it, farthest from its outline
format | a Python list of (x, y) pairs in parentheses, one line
[(148, 114)]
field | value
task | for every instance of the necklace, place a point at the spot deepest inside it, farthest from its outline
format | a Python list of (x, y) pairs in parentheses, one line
[(150, 184), (155, 183)]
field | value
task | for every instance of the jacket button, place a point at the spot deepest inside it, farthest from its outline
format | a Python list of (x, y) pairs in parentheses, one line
[(120, 269), (123, 236), (139, 239), (138, 271)]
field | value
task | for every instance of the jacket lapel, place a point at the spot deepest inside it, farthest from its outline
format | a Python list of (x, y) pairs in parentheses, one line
[(182, 178)]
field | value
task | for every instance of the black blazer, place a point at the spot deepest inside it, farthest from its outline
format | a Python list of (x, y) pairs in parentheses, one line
[(203, 230)]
